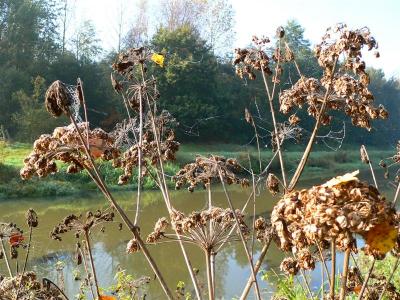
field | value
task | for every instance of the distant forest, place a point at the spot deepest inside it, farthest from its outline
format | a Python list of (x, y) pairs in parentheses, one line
[(198, 84)]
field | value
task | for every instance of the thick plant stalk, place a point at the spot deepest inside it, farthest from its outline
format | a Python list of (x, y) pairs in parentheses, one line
[(164, 191), (323, 263), (396, 195), (249, 258), (89, 248), (333, 271), (28, 249), (209, 275), (367, 277), (6, 257), (370, 165), (278, 143), (343, 287), (139, 188), (99, 181), (212, 261), (87, 270), (257, 266), (310, 144), (396, 264), (26, 259)]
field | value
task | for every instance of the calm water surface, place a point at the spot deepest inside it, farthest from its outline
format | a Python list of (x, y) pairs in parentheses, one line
[(109, 247)]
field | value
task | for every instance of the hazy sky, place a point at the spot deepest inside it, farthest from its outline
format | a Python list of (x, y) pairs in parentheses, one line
[(264, 16)]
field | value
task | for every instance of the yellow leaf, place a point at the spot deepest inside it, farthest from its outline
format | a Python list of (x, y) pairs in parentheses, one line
[(381, 238), (158, 59)]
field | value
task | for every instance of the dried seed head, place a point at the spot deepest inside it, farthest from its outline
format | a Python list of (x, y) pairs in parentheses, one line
[(132, 246), (57, 99), (272, 184), (31, 218), (290, 266)]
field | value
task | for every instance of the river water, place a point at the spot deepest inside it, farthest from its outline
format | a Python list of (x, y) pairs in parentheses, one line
[(109, 247)]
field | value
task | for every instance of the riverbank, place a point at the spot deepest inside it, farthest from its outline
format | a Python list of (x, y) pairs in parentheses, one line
[(322, 164)]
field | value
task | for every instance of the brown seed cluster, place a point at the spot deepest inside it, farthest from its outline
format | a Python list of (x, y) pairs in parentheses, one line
[(150, 154), (80, 224), (348, 88), (206, 169), (28, 287), (248, 61), (57, 99), (31, 218), (132, 246), (208, 228), (65, 145), (264, 230), (272, 184), (334, 211), (137, 90)]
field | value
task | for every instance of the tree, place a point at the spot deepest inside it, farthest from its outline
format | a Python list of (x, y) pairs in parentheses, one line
[(178, 13), (85, 43), (187, 83), (217, 26), (138, 33)]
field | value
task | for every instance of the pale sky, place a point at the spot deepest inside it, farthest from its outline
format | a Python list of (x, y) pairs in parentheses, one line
[(262, 17)]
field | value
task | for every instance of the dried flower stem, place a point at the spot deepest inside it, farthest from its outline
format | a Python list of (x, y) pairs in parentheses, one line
[(139, 188), (343, 288), (323, 262), (249, 258), (370, 165), (28, 249), (164, 191), (89, 249), (396, 195), (396, 264), (212, 261), (6, 257), (257, 266), (367, 277), (333, 270), (278, 143), (88, 275), (310, 144), (207, 253), (26, 260), (99, 181)]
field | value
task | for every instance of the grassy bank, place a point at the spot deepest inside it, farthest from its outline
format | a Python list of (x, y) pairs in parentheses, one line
[(322, 164)]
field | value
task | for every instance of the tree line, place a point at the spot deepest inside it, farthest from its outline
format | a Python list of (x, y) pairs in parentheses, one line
[(198, 84)]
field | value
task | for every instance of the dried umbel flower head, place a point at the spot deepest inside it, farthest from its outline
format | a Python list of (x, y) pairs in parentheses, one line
[(65, 145), (333, 211), (127, 67), (348, 87), (208, 228), (31, 218), (81, 225), (264, 231), (248, 61), (290, 266), (207, 169), (272, 184), (57, 99), (28, 287), (152, 151), (132, 246)]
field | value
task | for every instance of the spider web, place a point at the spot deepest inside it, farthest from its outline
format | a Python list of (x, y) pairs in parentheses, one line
[(76, 105)]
